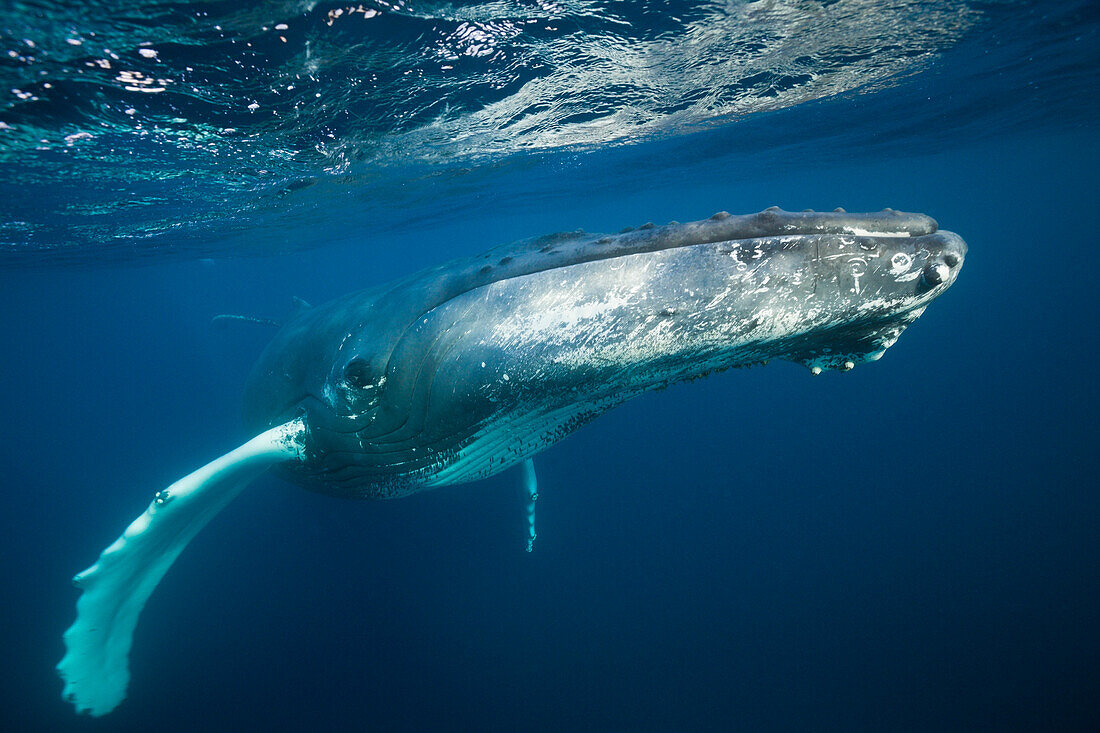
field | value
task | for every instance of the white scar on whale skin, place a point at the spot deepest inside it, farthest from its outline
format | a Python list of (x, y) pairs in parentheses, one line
[(865, 233), (96, 666)]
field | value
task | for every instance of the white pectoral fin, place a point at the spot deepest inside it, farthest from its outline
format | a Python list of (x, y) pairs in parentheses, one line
[(96, 667)]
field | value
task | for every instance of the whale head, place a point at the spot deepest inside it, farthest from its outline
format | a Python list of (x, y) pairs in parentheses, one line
[(872, 276)]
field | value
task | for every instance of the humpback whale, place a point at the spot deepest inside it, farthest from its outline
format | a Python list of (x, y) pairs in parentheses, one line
[(461, 371)]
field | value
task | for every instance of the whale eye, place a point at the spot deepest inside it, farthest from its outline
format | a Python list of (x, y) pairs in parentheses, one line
[(357, 374)]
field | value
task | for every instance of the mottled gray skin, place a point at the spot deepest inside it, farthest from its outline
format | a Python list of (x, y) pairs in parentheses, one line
[(461, 371)]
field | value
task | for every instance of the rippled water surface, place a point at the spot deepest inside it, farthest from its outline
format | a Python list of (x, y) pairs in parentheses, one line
[(129, 129)]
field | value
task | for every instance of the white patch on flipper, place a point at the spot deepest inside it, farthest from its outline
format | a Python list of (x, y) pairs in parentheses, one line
[(96, 666)]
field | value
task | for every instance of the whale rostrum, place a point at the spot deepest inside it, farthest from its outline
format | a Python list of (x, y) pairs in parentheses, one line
[(461, 371)]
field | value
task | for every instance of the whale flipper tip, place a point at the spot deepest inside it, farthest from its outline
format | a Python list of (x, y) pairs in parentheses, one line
[(96, 665)]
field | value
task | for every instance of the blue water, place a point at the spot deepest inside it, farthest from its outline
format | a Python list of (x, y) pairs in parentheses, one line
[(909, 546)]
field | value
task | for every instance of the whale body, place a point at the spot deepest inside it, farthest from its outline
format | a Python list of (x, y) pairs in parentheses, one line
[(461, 371)]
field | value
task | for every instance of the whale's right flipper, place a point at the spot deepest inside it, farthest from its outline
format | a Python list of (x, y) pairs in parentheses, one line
[(96, 667)]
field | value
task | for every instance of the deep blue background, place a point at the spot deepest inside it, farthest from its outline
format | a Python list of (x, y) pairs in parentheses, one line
[(909, 546)]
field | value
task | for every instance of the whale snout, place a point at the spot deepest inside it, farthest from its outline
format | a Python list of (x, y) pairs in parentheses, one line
[(944, 264)]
